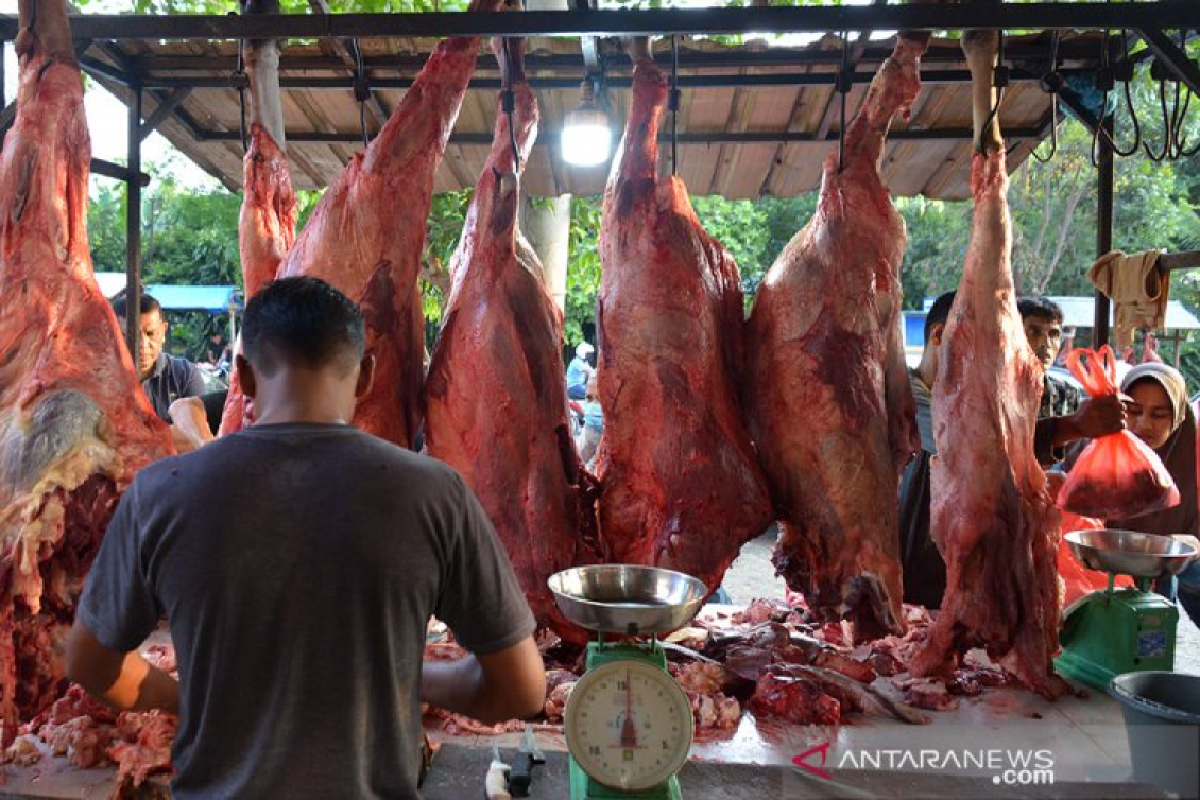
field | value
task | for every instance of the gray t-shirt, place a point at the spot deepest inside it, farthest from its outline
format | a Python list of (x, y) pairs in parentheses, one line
[(298, 565)]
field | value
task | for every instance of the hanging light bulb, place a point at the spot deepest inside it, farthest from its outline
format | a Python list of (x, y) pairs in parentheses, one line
[(586, 136)]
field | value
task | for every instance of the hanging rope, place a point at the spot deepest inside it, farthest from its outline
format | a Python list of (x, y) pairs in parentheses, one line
[(239, 80), (508, 99), (362, 91), (1000, 78), (674, 98), (845, 80), (1052, 83)]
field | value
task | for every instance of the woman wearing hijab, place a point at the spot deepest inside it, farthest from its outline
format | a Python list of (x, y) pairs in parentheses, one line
[(1159, 414)]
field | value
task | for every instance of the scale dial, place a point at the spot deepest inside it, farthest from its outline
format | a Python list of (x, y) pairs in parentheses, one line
[(628, 725)]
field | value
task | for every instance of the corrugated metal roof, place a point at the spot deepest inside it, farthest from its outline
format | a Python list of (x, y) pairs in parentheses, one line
[(216, 299), (734, 169)]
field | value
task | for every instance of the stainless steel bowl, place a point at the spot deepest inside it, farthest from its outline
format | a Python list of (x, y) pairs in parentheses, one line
[(1142, 555), (627, 598)]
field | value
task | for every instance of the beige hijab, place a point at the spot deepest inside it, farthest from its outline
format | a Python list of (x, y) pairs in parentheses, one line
[(1178, 453)]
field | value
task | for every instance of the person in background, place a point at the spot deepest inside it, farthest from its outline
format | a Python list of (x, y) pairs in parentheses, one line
[(1160, 415), (165, 378), (298, 604), (579, 371), (216, 349), (593, 424), (923, 567), (1065, 415)]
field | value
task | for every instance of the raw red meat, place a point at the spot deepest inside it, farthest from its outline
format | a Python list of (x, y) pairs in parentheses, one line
[(74, 423), (497, 411), (267, 225), (365, 236), (991, 514), (680, 486), (828, 398)]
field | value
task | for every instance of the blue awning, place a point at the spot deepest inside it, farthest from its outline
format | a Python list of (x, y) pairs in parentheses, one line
[(214, 299)]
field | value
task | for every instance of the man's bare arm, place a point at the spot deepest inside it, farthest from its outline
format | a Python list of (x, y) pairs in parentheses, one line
[(124, 681), (491, 688)]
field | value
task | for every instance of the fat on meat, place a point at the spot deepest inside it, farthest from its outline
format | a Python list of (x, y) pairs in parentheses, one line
[(991, 514), (680, 484), (366, 235), (74, 423), (827, 393), (267, 223), (496, 409)]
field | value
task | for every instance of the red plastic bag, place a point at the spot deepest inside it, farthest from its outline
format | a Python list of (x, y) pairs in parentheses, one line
[(1116, 476)]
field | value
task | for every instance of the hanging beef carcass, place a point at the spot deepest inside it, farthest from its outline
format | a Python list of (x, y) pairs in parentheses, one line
[(74, 423), (680, 485), (828, 399), (496, 409), (990, 514), (267, 225), (366, 235)]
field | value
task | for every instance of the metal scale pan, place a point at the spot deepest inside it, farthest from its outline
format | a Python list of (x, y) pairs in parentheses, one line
[(627, 598), (1140, 555)]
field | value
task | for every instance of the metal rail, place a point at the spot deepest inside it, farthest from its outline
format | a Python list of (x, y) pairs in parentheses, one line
[(1163, 15)]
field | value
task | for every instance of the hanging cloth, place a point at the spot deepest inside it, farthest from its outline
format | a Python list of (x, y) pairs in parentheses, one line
[(1139, 289)]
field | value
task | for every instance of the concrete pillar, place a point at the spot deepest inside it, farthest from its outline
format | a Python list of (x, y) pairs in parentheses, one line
[(546, 222)]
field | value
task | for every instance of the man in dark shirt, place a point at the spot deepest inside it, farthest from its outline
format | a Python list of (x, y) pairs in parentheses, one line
[(923, 567), (299, 604), (165, 378)]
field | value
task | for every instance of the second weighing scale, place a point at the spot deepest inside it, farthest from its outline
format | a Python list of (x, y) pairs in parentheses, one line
[(628, 724), (1113, 631)]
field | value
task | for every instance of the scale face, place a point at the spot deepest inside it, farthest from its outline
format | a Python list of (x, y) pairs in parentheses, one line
[(629, 725)]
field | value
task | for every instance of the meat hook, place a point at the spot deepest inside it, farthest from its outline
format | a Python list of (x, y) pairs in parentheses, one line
[(362, 91), (508, 99), (1052, 83), (1000, 76), (1181, 150), (674, 104), (844, 82), (239, 77)]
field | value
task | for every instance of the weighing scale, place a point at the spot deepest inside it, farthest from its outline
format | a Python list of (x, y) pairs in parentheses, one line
[(1114, 631), (628, 724)]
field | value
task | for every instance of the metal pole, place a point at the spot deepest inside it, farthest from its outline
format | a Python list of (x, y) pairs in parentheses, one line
[(133, 229), (1104, 226)]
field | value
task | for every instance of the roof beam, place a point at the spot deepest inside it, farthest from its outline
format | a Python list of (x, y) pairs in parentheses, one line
[(718, 137), (1070, 50), (928, 78), (110, 170), (345, 51), (1171, 57), (166, 107), (1166, 14)]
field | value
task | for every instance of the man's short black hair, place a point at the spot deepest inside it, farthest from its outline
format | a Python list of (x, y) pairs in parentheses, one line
[(939, 312), (146, 304), (302, 321), (1036, 305)]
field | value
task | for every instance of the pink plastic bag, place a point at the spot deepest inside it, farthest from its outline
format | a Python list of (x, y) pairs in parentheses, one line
[(1116, 476)]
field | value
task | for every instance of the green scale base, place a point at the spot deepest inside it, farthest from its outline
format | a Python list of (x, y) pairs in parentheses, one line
[(1109, 633), (583, 787)]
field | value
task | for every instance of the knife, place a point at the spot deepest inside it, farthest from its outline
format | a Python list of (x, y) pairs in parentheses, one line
[(522, 771), (495, 783)]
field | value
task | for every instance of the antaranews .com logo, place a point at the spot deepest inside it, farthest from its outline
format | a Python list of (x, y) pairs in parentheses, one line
[(1010, 767)]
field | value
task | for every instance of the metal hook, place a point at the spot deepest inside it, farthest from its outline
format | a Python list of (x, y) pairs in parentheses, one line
[(674, 98), (508, 100), (844, 83), (1000, 79), (239, 76), (1124, 73), (362, 91), (1051, 82)]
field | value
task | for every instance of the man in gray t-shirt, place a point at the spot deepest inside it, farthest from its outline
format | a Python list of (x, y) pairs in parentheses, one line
[(298, 563)]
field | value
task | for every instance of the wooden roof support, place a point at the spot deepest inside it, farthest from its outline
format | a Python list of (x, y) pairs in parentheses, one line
[(344, 48)]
